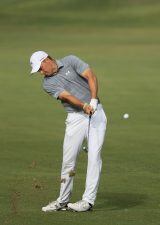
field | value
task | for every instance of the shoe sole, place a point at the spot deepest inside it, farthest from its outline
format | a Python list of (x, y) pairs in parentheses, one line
[(61, 209), (73, 210)]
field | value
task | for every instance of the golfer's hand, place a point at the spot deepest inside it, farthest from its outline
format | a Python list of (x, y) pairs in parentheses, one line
[(94, 103), (88, 109)]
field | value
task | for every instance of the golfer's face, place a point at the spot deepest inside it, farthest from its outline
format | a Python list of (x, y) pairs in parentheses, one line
[(48, 67)]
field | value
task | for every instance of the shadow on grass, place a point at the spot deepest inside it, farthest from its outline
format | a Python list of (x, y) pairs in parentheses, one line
[(117, 201)]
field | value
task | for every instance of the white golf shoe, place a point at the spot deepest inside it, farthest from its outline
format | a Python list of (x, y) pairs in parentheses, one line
[(54, 206), (80, 206)]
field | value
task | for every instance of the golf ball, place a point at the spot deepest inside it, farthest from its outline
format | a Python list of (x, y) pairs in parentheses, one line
[(85, 149), (126, 116)]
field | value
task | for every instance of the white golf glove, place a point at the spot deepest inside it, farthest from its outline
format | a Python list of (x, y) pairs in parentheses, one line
[(94, 103)]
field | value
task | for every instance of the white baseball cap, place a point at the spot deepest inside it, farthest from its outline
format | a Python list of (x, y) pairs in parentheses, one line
[(36, 59)]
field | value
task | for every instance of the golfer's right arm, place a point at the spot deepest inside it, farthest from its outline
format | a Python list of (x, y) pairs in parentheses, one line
[(67, 97)]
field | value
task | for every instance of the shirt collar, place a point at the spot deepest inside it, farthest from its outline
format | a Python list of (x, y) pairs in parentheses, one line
[(60, 64)]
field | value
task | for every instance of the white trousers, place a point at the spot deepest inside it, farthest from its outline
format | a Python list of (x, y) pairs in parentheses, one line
[(77, 129)]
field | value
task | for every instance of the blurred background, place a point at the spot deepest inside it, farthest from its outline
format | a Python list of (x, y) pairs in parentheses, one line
[(121, 42)]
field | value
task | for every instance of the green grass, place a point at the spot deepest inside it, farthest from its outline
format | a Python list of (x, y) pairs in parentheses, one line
[(122, 44)]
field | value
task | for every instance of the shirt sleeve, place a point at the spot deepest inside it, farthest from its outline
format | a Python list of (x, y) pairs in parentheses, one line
[(79, 65), (53, 90)]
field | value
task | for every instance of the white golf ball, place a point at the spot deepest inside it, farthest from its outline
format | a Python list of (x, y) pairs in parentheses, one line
[(126, 116), (85, 149)]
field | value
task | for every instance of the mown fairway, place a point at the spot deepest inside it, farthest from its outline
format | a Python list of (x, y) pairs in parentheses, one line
[(122, 44)]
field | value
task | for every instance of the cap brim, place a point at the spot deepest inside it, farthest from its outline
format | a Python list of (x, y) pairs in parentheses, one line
[(35, 68)]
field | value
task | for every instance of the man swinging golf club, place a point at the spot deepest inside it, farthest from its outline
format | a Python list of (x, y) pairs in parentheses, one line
[(72, 81)]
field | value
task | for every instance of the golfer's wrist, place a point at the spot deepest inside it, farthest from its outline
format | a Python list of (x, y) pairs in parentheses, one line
[(94, 100)]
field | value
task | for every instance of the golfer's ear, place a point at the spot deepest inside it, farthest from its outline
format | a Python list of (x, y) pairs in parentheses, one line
[(47, 59)]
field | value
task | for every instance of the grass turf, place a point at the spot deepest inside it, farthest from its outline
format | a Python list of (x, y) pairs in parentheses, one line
[(122, 45)]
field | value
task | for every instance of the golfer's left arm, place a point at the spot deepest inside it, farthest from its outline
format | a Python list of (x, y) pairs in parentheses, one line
[(93, 85)]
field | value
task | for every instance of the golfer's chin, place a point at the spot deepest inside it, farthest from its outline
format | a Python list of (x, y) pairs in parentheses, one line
[(48, 74)]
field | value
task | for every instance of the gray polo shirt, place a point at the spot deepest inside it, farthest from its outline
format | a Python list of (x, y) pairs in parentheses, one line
[(68, 78)]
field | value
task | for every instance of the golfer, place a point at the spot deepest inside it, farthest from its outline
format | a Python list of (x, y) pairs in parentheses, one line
[(71, 81)]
